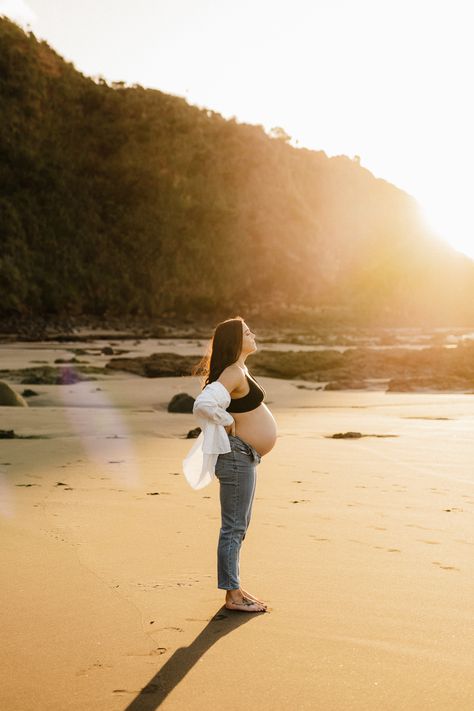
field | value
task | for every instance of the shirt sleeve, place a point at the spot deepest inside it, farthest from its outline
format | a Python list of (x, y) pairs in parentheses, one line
[(207, 406)]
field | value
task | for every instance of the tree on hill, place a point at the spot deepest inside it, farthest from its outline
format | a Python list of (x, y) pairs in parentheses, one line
[(128, 201)]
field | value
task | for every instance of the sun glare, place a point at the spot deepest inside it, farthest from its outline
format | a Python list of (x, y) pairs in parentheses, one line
[(451, 222)]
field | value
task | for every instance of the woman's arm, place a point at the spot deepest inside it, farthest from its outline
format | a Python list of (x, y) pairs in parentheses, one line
[(207, 406), (231, 378)]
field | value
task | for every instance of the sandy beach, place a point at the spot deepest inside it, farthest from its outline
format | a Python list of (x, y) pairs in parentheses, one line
[(362, 549)]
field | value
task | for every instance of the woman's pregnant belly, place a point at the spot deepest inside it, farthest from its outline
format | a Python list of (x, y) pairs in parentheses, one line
[(257, 427)]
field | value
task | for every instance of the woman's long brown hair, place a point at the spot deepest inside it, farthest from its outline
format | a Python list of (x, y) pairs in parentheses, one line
[(225, 347)]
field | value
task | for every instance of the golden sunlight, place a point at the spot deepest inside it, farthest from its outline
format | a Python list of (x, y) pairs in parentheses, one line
[(452, 221)]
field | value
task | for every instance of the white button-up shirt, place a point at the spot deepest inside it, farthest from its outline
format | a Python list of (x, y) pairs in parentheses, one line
[(209, 409)]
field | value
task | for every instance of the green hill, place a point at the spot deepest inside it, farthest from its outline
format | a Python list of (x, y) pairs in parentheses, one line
[(127, 201)]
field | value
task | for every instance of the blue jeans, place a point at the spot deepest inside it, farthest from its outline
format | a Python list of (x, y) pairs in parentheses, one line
[(237, 474)]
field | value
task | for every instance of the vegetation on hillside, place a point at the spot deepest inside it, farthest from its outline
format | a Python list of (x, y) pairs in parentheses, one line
[(127, 201)]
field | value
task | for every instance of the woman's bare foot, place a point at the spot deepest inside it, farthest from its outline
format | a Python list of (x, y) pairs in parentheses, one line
[(234, 600), (252, 597)]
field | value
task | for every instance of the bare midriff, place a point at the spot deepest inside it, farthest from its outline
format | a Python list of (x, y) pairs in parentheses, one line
[(257, 427)]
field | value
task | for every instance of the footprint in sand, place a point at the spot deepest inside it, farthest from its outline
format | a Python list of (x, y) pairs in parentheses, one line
[(168, 584), (435, 490), (154, 653), (444, 567), (92, 667), (176, 629), (123, 691), (196, 619), (421, 417)]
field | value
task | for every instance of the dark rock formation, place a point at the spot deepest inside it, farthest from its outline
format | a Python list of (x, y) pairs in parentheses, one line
[(433, 382), (157, 365), (346, 385), (10, 398), (7, 434), (182, 402), (29, 393), (52, 376), (193, 434)]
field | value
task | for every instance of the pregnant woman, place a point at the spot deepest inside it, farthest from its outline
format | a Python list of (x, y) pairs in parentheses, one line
[(238, 430)]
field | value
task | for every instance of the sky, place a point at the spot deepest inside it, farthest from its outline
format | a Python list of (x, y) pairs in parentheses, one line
[(387, 80)]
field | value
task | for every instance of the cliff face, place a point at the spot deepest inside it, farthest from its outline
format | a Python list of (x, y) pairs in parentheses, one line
[(125, 200)]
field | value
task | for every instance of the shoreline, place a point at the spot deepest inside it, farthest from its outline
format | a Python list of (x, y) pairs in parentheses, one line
[(74, 328), (414, 365)]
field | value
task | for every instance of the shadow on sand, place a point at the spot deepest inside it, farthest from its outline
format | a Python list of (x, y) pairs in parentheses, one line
[(175, 669)]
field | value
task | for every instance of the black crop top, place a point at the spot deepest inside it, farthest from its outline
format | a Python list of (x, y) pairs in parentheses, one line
[(250, 401)]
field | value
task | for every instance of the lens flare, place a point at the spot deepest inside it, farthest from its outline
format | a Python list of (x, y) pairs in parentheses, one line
[(100, 427)]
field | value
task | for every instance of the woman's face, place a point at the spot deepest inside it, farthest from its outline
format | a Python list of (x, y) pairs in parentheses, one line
[(248, 339)]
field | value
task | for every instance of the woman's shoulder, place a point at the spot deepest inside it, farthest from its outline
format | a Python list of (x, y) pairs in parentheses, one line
[(232, 376), (234, 368)]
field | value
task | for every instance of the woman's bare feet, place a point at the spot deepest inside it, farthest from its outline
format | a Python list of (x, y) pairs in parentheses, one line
[(235, 600), (252, 597)]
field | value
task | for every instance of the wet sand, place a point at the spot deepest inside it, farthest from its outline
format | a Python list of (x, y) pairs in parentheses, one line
[(362, 549)]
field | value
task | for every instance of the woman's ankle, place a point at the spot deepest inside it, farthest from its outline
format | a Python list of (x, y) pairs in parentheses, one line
[(235, 592)]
